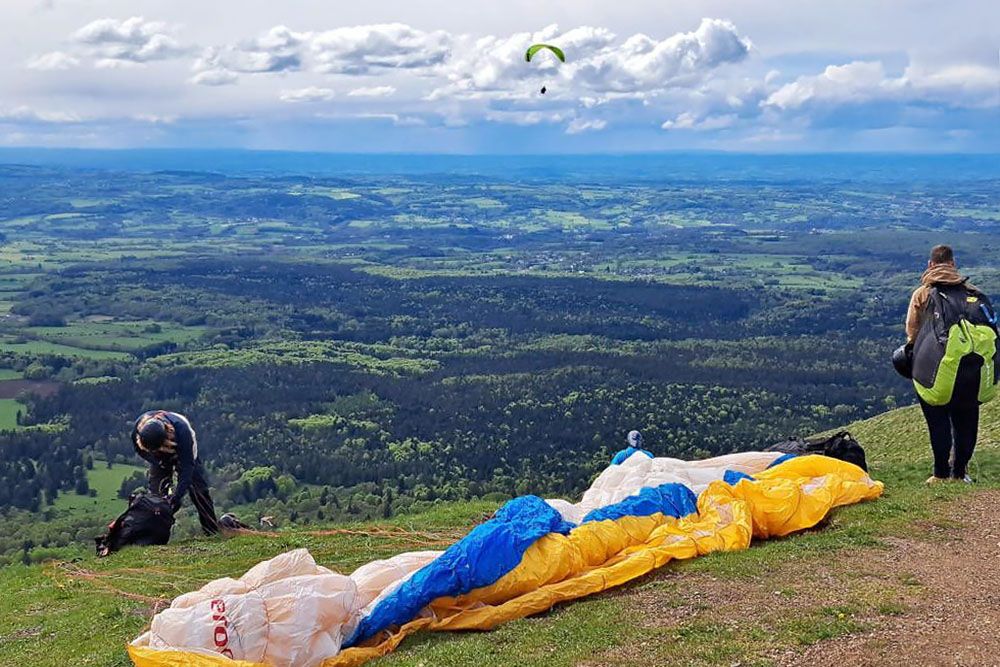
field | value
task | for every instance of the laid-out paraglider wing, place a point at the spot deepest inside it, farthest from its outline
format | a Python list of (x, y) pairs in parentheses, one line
[(535, 48), (638, 515)]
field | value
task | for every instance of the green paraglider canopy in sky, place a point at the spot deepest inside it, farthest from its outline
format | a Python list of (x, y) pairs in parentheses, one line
[(535, 48)]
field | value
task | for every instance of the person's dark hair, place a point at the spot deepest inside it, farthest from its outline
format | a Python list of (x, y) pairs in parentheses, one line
[(153, 434), (942, 254)]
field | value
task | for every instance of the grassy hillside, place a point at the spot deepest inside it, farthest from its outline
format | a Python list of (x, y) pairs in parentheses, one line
[(48, 613)]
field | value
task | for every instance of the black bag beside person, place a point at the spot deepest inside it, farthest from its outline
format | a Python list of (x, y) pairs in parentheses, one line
[(230, 521), (840, 445), (147, 521)]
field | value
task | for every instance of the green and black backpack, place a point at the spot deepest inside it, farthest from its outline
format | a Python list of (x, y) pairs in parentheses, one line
[(954, 352)]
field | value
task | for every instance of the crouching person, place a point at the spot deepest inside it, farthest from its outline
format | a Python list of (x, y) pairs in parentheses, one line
[(168, 443)]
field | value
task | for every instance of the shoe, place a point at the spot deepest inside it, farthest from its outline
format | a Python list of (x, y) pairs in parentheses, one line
[(964, 480), (935, 480)]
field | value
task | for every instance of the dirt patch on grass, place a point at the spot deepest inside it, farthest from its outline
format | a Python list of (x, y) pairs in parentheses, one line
[(951, 590), (930, 599)]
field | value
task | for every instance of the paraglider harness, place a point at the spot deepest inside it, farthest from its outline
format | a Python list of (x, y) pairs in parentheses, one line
[(954, 352), (841, 445), (148, 520)]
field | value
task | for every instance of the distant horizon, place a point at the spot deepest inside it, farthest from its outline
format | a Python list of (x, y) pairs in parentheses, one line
[(605, 167), (588, 153)]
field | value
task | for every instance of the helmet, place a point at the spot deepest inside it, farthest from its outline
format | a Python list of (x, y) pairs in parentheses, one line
[(635, 439), (153, 434), (902, 360)]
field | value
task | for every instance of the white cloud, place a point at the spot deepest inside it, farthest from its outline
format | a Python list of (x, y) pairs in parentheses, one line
[(396, 119), (642, 62), (772, 136), (30, 115), (55, 60), (374, 48), (356, 50), (859, 82), (215, 77), (691, 121), (154, 119), (133, 40), (854, 82), (578, 125), (114, 63), (957, 85), (470, 75), (373, 91), (209, 70), (598, 65), (277, 50), (280, 49), (524, 117), (702, 79), (494, 66), (310, 94)]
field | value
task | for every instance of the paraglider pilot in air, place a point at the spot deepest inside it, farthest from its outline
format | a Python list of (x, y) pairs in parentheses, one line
[(168, 443), (535, 48)]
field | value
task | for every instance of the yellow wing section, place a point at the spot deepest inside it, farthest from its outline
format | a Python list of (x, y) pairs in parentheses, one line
[(143, 656)]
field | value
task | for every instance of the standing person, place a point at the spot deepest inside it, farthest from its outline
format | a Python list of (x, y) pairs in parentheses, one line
[(951, 327), (168, 443)]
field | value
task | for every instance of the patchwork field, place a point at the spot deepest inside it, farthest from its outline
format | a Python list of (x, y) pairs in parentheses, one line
[(115, 335), (105, 482), (8, 413), (42, 347)]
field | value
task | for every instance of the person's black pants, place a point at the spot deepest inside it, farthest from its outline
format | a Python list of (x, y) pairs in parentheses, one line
[(953, 428), (161, 476)]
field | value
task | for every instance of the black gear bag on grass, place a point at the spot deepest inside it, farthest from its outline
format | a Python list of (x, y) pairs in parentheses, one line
[(841, 445), (148, 520)]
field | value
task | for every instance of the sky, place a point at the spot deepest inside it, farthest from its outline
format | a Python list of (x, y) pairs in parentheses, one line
[(449, 76)]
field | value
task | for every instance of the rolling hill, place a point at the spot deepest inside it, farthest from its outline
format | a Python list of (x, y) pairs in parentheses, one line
[(858, 589)]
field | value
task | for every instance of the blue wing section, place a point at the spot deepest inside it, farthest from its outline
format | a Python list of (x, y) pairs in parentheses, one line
[(488, 552), (620, 457), (731, 477), (782, 459), (671, 499)]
